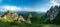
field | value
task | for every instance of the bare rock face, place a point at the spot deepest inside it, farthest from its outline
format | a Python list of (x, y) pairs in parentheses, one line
[(52, 13), (28, 21), (21, 18), (13, 16)]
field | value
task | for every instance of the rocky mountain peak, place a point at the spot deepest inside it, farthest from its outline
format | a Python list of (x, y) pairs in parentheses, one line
[(52, 13)]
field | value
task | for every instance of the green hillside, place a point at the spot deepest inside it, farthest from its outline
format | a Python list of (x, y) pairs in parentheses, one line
[(36, 20)]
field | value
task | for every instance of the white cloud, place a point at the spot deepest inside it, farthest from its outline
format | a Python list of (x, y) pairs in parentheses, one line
[(11, 8), (14, 8), (55, 2), (36, 10), (26, 9)]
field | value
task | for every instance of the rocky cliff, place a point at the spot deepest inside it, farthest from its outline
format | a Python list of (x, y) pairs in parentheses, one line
[(9, 15), (53, 12), (12, 16)]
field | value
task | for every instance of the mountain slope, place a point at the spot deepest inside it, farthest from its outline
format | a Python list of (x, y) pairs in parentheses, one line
[(56, 20)]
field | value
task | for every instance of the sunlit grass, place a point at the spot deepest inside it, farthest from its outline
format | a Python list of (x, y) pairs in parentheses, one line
[(6, 20)]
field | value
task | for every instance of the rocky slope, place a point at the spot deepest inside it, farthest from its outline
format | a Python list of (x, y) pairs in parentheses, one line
[(12, 16), (53, 12), (53, 15)]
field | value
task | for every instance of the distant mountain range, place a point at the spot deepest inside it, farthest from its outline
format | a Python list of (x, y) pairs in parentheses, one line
[(25, 13)]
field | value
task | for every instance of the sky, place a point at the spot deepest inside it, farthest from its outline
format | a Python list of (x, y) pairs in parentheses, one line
[(27, 5)]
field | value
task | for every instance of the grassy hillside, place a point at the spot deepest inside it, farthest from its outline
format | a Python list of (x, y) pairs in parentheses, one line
[(36, 21)]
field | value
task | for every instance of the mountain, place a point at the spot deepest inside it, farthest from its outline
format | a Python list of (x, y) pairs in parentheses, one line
[(56, 20), (25, 13), (53, 15), (1, 13), (12, 16)]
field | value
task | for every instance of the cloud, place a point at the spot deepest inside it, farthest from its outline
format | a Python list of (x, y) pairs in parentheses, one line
[(54, 2), (27, 9), (11, 8), (15, 8), (36, 10)]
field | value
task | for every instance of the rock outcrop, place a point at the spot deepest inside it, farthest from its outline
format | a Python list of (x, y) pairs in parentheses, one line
[(15, 17), (12, 16), (53, 12)]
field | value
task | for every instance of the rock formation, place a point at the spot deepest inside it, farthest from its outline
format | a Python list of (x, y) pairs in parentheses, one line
[(15, 17), (28, 19), (52, 13), (12, 15)]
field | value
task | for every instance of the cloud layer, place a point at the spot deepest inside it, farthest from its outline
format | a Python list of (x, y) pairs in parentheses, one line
[(55, 2), (15, 8), (11, 8)]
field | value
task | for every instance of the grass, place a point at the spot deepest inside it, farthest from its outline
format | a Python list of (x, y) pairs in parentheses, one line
[(36, 22), (22, 24)]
